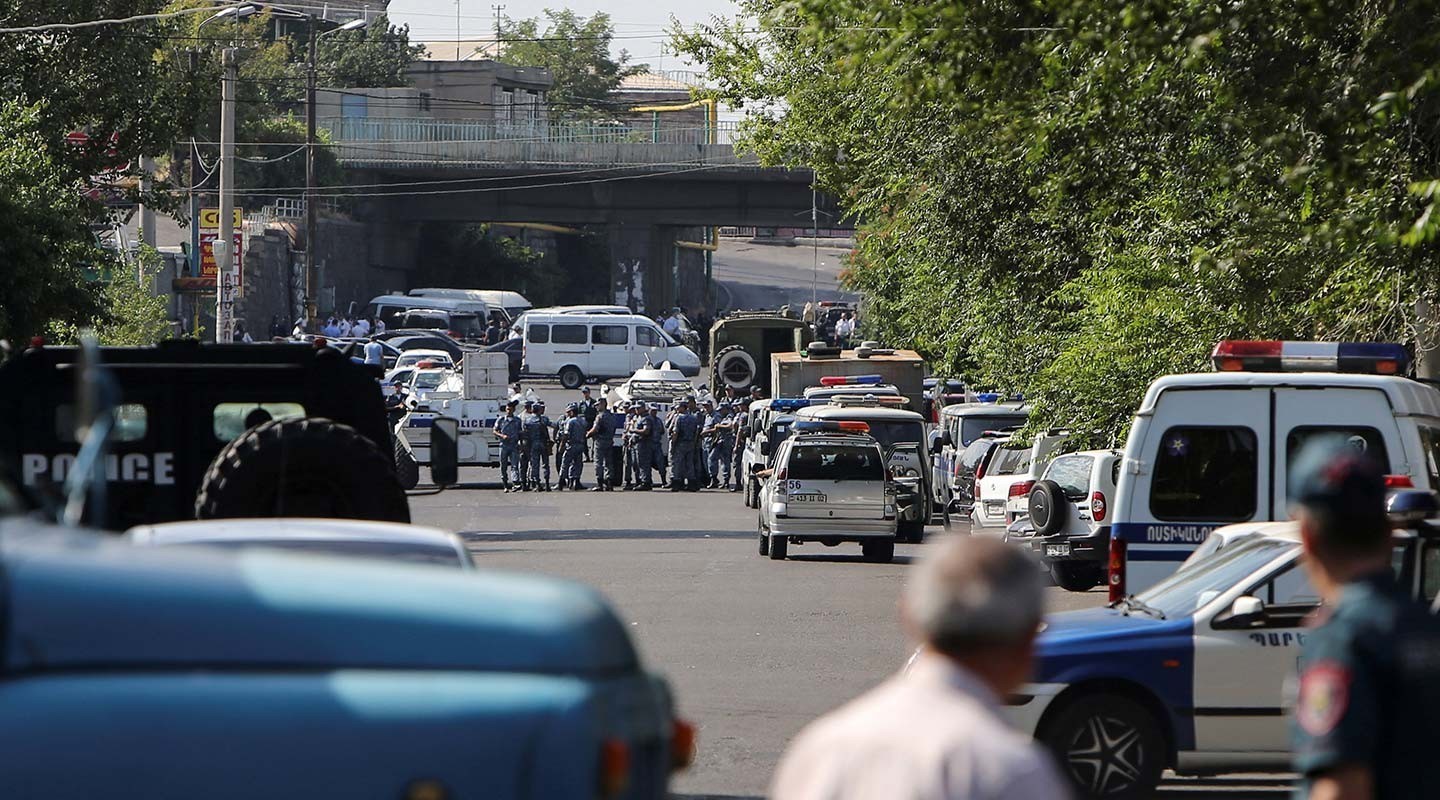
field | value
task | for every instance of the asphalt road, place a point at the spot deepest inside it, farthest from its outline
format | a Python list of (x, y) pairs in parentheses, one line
[(754, 649)]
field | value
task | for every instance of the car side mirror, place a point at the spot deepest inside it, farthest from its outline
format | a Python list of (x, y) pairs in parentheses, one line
[(445, 451), (764, 448), (1245, 612)]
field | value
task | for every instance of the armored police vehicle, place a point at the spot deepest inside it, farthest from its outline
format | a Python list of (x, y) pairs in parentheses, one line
[(1210, 449), (483, 385), (207, 430)]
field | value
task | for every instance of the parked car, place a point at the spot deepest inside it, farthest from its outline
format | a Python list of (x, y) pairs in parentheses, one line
[(1069, 510), (464, 326), (418, 355), (829, 485), (414, 544), (429, 340), (514, 350), (1009, 473), (960, 476)]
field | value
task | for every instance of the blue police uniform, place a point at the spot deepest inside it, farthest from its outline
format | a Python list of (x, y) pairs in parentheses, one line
[(685, 452), (722, 446), (741, 422), (658, 444), (525, 447), (507, 430), (573, 458), (537, 435), (644, 444)]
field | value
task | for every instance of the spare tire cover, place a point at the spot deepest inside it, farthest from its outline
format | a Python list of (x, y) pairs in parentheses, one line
[(735, 367), (1049, 508), (309, 467)]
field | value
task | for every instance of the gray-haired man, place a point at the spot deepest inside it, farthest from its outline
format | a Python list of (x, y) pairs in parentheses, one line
[(936, 731)]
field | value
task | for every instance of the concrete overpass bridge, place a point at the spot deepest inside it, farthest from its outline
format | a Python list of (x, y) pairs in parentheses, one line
[(655, 191)]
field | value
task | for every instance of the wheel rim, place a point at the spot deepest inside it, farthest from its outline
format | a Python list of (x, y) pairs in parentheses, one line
[(1106, 755)]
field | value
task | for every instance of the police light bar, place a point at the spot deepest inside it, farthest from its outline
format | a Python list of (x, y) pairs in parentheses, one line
[(869, 400), (987, 397), (788, 403), (830, 426), (1374, 358), (852, 380)]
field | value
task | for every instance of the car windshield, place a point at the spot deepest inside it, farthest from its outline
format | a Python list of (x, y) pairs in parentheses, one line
[(1009, 460), (835, 463), (467, 325), (973, 426), (429, 380), (402, 551), (889, 434), (1183, 592)]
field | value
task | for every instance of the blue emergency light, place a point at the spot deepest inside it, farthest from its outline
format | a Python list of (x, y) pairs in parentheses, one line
[(987, 397), (852, 380), (788, 403)]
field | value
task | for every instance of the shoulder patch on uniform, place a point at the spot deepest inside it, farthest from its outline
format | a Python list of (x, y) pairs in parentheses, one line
[(1324, 696)]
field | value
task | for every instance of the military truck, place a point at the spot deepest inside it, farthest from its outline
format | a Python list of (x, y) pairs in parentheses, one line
[(207, 431), (742, 343)]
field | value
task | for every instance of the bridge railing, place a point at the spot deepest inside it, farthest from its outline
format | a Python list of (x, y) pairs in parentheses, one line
[(363, 129)]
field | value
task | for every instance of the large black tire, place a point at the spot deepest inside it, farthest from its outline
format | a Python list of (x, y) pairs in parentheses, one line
[(779, 547), (880, 551), (1109, 746), (764, 540), (571, 377), (407, 469), (1049, 508), (910, 532), (734, 367), (302, 468), (1075, 576)]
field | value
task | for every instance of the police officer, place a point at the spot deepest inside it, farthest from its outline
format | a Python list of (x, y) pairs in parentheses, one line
[(525, 430), (722, 445), (1367, 714), (644, 442), (659, 444), (627, 447), (507, 430), (741, 422), (708, 419), (602, 437), (537, 432), (588, 412), (573, 437), (685, 449)]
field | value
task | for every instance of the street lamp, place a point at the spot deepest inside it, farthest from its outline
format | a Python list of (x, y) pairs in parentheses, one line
[(311, 218), (232, 12)]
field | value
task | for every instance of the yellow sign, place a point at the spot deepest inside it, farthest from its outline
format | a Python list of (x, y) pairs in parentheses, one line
[(210, 218)]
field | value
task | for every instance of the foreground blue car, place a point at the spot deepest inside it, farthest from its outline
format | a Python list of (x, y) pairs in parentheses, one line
[(185, 673)]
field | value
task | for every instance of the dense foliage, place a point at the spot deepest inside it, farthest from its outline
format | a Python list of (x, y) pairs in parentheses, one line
[(576, 51), (1071, 197)]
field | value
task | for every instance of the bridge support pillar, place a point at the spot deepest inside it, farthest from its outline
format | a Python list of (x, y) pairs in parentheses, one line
[(651, 274)]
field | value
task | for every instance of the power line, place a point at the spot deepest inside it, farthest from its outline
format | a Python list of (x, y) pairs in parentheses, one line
[(98, 23)]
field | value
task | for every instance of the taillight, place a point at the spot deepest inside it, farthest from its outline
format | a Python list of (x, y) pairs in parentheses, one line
[(1399, 482), (780, 476), (980, 470), (1097, 506), (682, 745), (1021, 489), (1117, 569), (614, 767), (453, 334)]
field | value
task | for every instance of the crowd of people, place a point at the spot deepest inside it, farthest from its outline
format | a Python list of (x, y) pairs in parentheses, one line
[(697, 444)]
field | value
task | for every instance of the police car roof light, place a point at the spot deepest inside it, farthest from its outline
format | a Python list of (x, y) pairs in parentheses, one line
[(987, 397), (788, 403), (852, 380), (1377, 358), (830, 426)]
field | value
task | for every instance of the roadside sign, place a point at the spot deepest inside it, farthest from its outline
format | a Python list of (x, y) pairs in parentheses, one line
[(209, 232)]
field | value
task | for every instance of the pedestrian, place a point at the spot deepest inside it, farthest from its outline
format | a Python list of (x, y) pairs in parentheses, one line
[(686, 437), (974, 604), (602, 437), (507, 430), (722, 445), (375, 354), (672, 324), (575, 434), (277, 328), (242, 335), (493, 333), (540, 430), (644, 444), (808, 315), (525, 445), (588, 411), (379, 326), (361, 328), (345, 327), (740, 423), (628, 442), (1367, 713), (659, 445), (708, 419)]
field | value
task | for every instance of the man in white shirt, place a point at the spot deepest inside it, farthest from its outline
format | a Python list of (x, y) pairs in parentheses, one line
[(344, 326), (672, 323), (935, 732), (379, 326), (361, 328)]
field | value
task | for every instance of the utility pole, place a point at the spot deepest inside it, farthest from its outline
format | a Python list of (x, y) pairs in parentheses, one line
[(194, 182), (499, 17), (457, 30), (312, 235), (225, 245)]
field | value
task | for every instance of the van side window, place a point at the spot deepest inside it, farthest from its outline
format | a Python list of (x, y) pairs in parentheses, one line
[(539, 334), (610, 334), (1430, 443), (570, 334), (1367, 441), (1205, 474), (646, 336), (390, 315)]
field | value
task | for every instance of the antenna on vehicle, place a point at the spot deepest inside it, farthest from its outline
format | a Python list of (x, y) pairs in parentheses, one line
[(95, 403)]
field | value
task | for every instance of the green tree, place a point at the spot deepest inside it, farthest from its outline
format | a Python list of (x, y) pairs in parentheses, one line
[(130, 314), (373, 57), (1070, 198), (576, 51)]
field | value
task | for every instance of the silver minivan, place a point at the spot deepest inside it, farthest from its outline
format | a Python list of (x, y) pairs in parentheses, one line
[(830, 484)]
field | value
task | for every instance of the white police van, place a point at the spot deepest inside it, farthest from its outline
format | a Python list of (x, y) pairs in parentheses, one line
[(1190, 673), (580, 347), (960, 425), (1213, 449)]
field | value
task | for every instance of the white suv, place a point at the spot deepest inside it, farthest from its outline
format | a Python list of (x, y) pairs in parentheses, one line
[(1070, 508), (829, 485), (1005, 477)]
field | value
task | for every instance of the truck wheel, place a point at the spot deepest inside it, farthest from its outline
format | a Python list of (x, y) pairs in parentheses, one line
[(734, 367), (778, 547), (879, 552), (1109, 746), (912, 532), (407, 469), (1073, 577), (307, 467), (1048, 507), (571, 377)]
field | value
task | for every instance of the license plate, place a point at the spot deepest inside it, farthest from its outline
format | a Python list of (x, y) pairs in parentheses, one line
[(995, 505), (1054, 550)]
